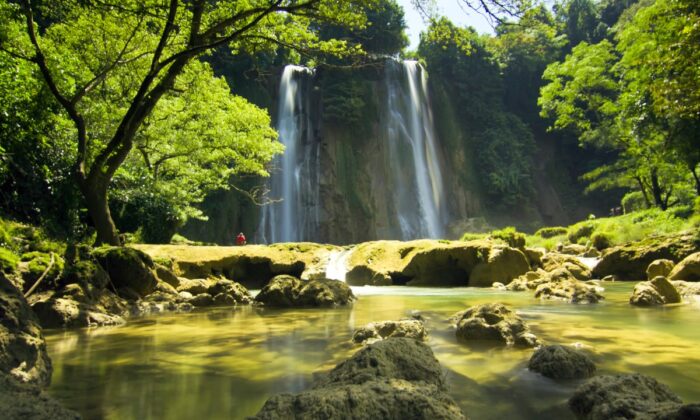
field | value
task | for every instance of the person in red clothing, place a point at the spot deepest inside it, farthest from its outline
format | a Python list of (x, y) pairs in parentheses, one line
[(240, 239)]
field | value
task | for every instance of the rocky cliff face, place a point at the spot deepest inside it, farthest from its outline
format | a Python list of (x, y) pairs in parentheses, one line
[(359, 174)]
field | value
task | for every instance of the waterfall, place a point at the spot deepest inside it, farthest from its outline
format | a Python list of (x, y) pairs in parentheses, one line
[(294, 179), (418, 193)]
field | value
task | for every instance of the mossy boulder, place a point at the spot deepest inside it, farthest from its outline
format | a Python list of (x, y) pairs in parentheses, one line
[(658, 291), (374, 331), (416, 263), (253, 266), (567, 289), (553, 261), (502, 266), (287, 291), (630, 261), (397, 378), (628, 396), (128, 269), (660, 267), (561, 362), (88, 274), (688, 269), (493, 324), (23, 352)]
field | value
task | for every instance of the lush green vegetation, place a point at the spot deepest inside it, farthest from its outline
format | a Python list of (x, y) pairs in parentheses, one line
[(130, 134)]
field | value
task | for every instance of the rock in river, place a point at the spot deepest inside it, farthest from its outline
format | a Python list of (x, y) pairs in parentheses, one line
[(288, 291), (561, 362), (660, 267), (374, 331), (688, 269), (397, 378), (630, 396), (658, 291), (493, 323)]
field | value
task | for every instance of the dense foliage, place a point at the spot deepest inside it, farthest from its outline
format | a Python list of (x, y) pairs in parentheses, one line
[(117, 74)]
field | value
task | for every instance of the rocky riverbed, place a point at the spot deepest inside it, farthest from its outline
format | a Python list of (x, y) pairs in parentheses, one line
[(118, 286)]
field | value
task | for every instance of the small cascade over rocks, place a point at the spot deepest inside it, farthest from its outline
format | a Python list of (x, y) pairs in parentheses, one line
[(337, 266), (418, 195), (295, 176)]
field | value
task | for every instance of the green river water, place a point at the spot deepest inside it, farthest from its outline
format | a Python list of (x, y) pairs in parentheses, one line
[(224, 363)]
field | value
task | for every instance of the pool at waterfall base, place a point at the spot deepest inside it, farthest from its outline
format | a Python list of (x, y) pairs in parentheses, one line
[(226, 362)]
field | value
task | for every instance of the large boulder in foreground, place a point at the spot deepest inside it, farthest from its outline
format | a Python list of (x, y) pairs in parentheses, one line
[(411, 328), (493, 324), (130, 270), (630, 261), (561, 362), (502, 266), (397, 378), (21, 401), (658, 291), (688, 269), (394, 358), (287, 291), (630, 396), (23, 354)]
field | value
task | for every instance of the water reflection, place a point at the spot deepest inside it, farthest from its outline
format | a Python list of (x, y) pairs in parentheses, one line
[(224, 363)]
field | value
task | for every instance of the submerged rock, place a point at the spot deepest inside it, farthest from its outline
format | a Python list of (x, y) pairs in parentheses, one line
[(660, 267), (288, 291), (631, 396), (688, 269), (23, 354), (397, 378), (561, 362), (493, 323), (20, 401), (658, 291), (374, 331)]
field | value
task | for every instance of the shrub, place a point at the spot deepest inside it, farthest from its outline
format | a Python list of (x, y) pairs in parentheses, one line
[(8, 260), (469, 236), (580, 231), (550, 232), (601, 241), (510, 236), (633, 201)]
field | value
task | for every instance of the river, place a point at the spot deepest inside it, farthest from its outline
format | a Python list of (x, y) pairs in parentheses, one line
[(223, 363)]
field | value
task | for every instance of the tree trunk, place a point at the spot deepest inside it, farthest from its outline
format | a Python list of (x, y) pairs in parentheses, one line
[(697, 180), (657, 191), (95, 193)]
